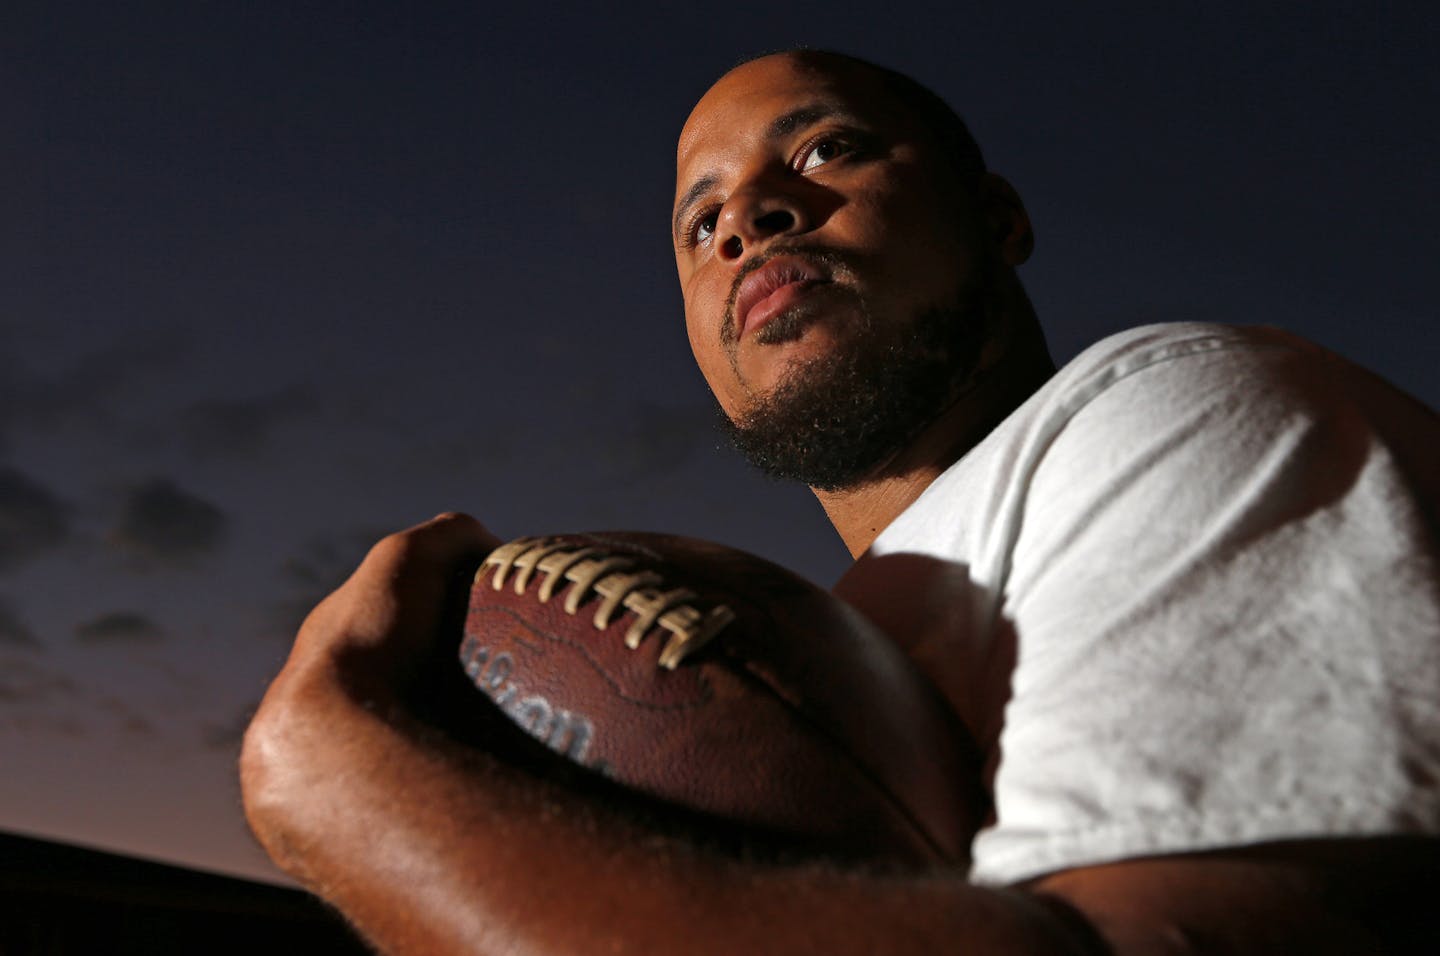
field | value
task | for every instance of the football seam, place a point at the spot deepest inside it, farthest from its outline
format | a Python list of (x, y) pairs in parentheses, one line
[(594, 664)]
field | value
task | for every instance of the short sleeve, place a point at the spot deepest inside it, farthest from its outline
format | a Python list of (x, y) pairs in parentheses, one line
[(1223, 592)]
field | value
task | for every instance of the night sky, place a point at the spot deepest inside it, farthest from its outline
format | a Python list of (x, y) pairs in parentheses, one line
[(279, 278)]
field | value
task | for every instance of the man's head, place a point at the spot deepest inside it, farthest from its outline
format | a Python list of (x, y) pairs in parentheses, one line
[(844, 259)]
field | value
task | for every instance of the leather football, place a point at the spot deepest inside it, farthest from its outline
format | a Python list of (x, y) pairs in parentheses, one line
[(717, 681)]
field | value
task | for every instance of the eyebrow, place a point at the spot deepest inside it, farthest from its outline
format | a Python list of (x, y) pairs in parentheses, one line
[(699, 188), (780, 127), (799, 118)]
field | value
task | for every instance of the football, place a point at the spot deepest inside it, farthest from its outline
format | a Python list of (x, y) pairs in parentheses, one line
[(711, 679)]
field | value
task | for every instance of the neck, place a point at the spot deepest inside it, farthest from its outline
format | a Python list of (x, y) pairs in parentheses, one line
[(860, 513)]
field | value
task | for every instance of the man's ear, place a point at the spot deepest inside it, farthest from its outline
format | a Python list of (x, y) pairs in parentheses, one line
[(1007, 219)]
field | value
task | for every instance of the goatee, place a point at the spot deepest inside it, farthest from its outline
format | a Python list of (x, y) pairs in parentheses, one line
[(834, 422)]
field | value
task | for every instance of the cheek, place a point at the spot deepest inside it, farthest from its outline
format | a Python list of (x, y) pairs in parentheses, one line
[(698, 349), (703, 332), (908, 248), (699, 325), (928, 261)]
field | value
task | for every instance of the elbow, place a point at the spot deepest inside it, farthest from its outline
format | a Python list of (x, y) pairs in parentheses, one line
[(275, 775)]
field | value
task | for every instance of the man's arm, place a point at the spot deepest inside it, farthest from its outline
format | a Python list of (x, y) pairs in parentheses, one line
[(430, 847)]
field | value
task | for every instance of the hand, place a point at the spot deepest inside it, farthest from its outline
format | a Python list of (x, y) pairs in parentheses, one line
[(376, 647), (387, 630)]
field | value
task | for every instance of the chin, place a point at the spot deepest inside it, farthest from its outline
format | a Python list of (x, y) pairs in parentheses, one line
[(763, 366), (835, 411)]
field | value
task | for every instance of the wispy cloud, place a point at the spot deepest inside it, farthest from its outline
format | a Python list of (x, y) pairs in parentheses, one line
[(24, 680), (32, 519), (122, 715), (119, 627), (241, 427), (13, 629), (84, 392), (227, 734), (661, 438), (320, 566), (41, 699), (161, 523)]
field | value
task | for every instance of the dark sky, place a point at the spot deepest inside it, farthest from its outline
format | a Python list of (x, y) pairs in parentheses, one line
[(277, 278)]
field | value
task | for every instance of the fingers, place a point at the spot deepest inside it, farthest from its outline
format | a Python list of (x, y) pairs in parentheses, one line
[(415, 557), (394, 606)]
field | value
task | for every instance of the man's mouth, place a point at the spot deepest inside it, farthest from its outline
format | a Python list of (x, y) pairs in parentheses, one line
[(770, 290)]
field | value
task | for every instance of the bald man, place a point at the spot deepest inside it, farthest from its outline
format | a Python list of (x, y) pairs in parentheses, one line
[(1182, 592)]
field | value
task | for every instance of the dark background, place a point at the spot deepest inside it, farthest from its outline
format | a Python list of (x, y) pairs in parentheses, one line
[(277, 278)]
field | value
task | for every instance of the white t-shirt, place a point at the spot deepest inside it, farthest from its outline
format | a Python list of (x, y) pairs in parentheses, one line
[(1187, 598)]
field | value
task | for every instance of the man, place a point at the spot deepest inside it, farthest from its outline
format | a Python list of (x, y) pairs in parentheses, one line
[(1183, 593)]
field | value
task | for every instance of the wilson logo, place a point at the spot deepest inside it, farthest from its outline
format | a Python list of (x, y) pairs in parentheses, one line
[(563, 731)]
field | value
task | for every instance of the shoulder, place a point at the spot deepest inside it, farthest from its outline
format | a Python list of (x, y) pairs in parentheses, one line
[(1215, 537), (1181, 417), (1229, 399), (1250, 363), (1174, 361), (1213, 446)]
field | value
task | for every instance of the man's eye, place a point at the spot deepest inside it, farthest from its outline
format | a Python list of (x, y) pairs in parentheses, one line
[(704, 227), (821, 152)]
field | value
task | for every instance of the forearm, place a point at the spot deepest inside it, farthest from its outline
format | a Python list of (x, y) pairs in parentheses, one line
[(432, 848)]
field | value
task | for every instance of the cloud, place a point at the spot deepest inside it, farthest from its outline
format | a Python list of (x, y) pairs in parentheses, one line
[(85, 392), (13, 630), (119, 627), (226, 735), (123, 716), (164, 524), (322, 565), (23, 680), (240, 427), (32, 520), (44, 701), (660, 439)]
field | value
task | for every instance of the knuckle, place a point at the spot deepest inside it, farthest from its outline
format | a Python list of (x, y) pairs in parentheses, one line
[(392, 549)]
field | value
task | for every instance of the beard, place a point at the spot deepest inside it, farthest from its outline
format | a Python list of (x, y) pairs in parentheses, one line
[(833, 422)]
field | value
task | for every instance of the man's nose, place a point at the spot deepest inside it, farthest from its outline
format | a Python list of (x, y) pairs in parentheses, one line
[(754, 215)]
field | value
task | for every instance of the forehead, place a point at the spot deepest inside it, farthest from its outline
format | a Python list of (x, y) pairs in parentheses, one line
[(747, 98)]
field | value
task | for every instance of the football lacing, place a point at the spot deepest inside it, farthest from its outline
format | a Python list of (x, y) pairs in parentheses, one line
[(610, 576)]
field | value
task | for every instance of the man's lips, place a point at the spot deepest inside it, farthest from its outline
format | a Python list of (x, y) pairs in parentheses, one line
[(771, 289)]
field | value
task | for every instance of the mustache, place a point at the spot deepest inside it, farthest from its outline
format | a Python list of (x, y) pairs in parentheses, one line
[(838, 263)]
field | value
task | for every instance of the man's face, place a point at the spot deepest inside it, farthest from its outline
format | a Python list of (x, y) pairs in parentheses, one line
[(810, 227)]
